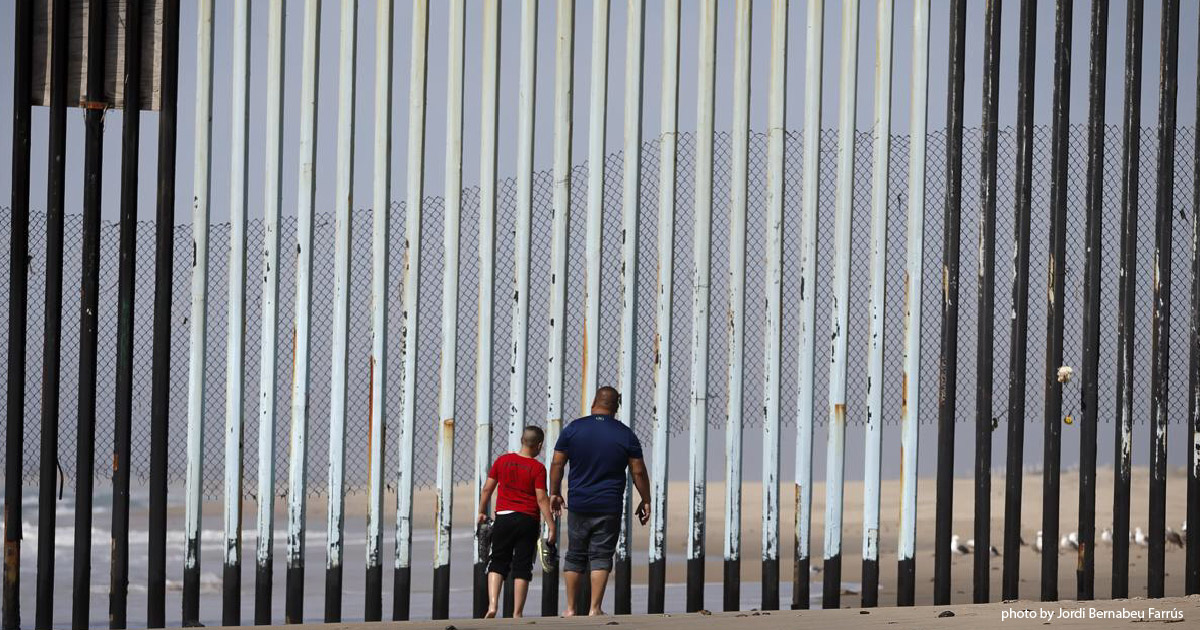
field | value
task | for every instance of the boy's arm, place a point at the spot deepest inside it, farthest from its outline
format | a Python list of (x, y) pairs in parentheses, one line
[(485, 498), (543, 501)]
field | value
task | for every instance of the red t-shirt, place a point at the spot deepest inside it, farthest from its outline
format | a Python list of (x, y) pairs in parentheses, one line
[(516, 478)]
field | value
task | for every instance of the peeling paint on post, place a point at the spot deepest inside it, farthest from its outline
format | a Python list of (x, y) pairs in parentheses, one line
[(948, 358), (986, 300), (415, 180), (810, 203), (701, 254), (669, 117), (739, 141), (1055, 293), (1160, 337), (201, 181), (380, 228), (564, 89), (268, 375), (1085, 571), (597, 124), (630, 201), (298, 464), (840, 286), (488, 104), (343, 201), (773, 325), (873, 443), (1019, 317), (235, 342), (521, 228), (1127, 294), (910, 408), (444, 514)]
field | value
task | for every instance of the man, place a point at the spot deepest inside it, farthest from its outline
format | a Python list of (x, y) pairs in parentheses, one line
[(599, 448), (522, 482)]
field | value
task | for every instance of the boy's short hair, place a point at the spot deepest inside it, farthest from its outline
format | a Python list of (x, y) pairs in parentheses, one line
[(532, 436)]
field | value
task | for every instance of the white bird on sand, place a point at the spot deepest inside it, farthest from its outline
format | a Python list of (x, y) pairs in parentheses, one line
[(1037, 542), (1066, 544), (1183, 530), (971, 545), (957, 547), (1139, 537), (1173, 537), (1106, 536)]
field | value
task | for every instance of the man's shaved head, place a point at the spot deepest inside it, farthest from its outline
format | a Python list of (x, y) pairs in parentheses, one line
[(607, 401)]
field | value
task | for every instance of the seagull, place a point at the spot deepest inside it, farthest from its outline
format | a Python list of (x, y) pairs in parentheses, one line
[(1037, 542), (1106, 536), (971, 544), (1023, 543), (957, 547), (1066, 544), (1183, 530), (994, 551), (1139, 537), (1074, 538), (1173, 537)]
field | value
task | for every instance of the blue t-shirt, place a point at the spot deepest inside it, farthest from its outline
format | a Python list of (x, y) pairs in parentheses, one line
[(598, 448)]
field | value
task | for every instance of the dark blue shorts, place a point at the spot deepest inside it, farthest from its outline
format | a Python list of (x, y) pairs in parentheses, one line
[(592, 540)]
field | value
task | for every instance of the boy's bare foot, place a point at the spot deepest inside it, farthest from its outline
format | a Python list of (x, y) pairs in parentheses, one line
[(596, 612), (490, 614)]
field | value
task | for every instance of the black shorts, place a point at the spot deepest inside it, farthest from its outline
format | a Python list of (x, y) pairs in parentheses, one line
[(514, 538), (592, 540)]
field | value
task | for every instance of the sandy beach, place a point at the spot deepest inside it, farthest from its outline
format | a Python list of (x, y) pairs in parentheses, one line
[(1182, 610), (423, 540)]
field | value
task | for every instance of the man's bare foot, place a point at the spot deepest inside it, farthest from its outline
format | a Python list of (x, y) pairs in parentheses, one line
[(596, 612), (570, 612), (490, 614)]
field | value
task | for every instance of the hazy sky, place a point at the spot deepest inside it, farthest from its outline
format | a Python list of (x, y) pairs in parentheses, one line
[(510, 42)]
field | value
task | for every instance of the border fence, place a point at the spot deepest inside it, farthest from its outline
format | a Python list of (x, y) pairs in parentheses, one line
[(701, 272)]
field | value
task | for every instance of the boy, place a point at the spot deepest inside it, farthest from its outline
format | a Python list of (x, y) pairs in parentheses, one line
[(522, 482)]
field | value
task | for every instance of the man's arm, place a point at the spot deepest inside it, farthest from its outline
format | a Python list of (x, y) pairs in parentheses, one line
[(485, 498), (641, 481), (556, 475)]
